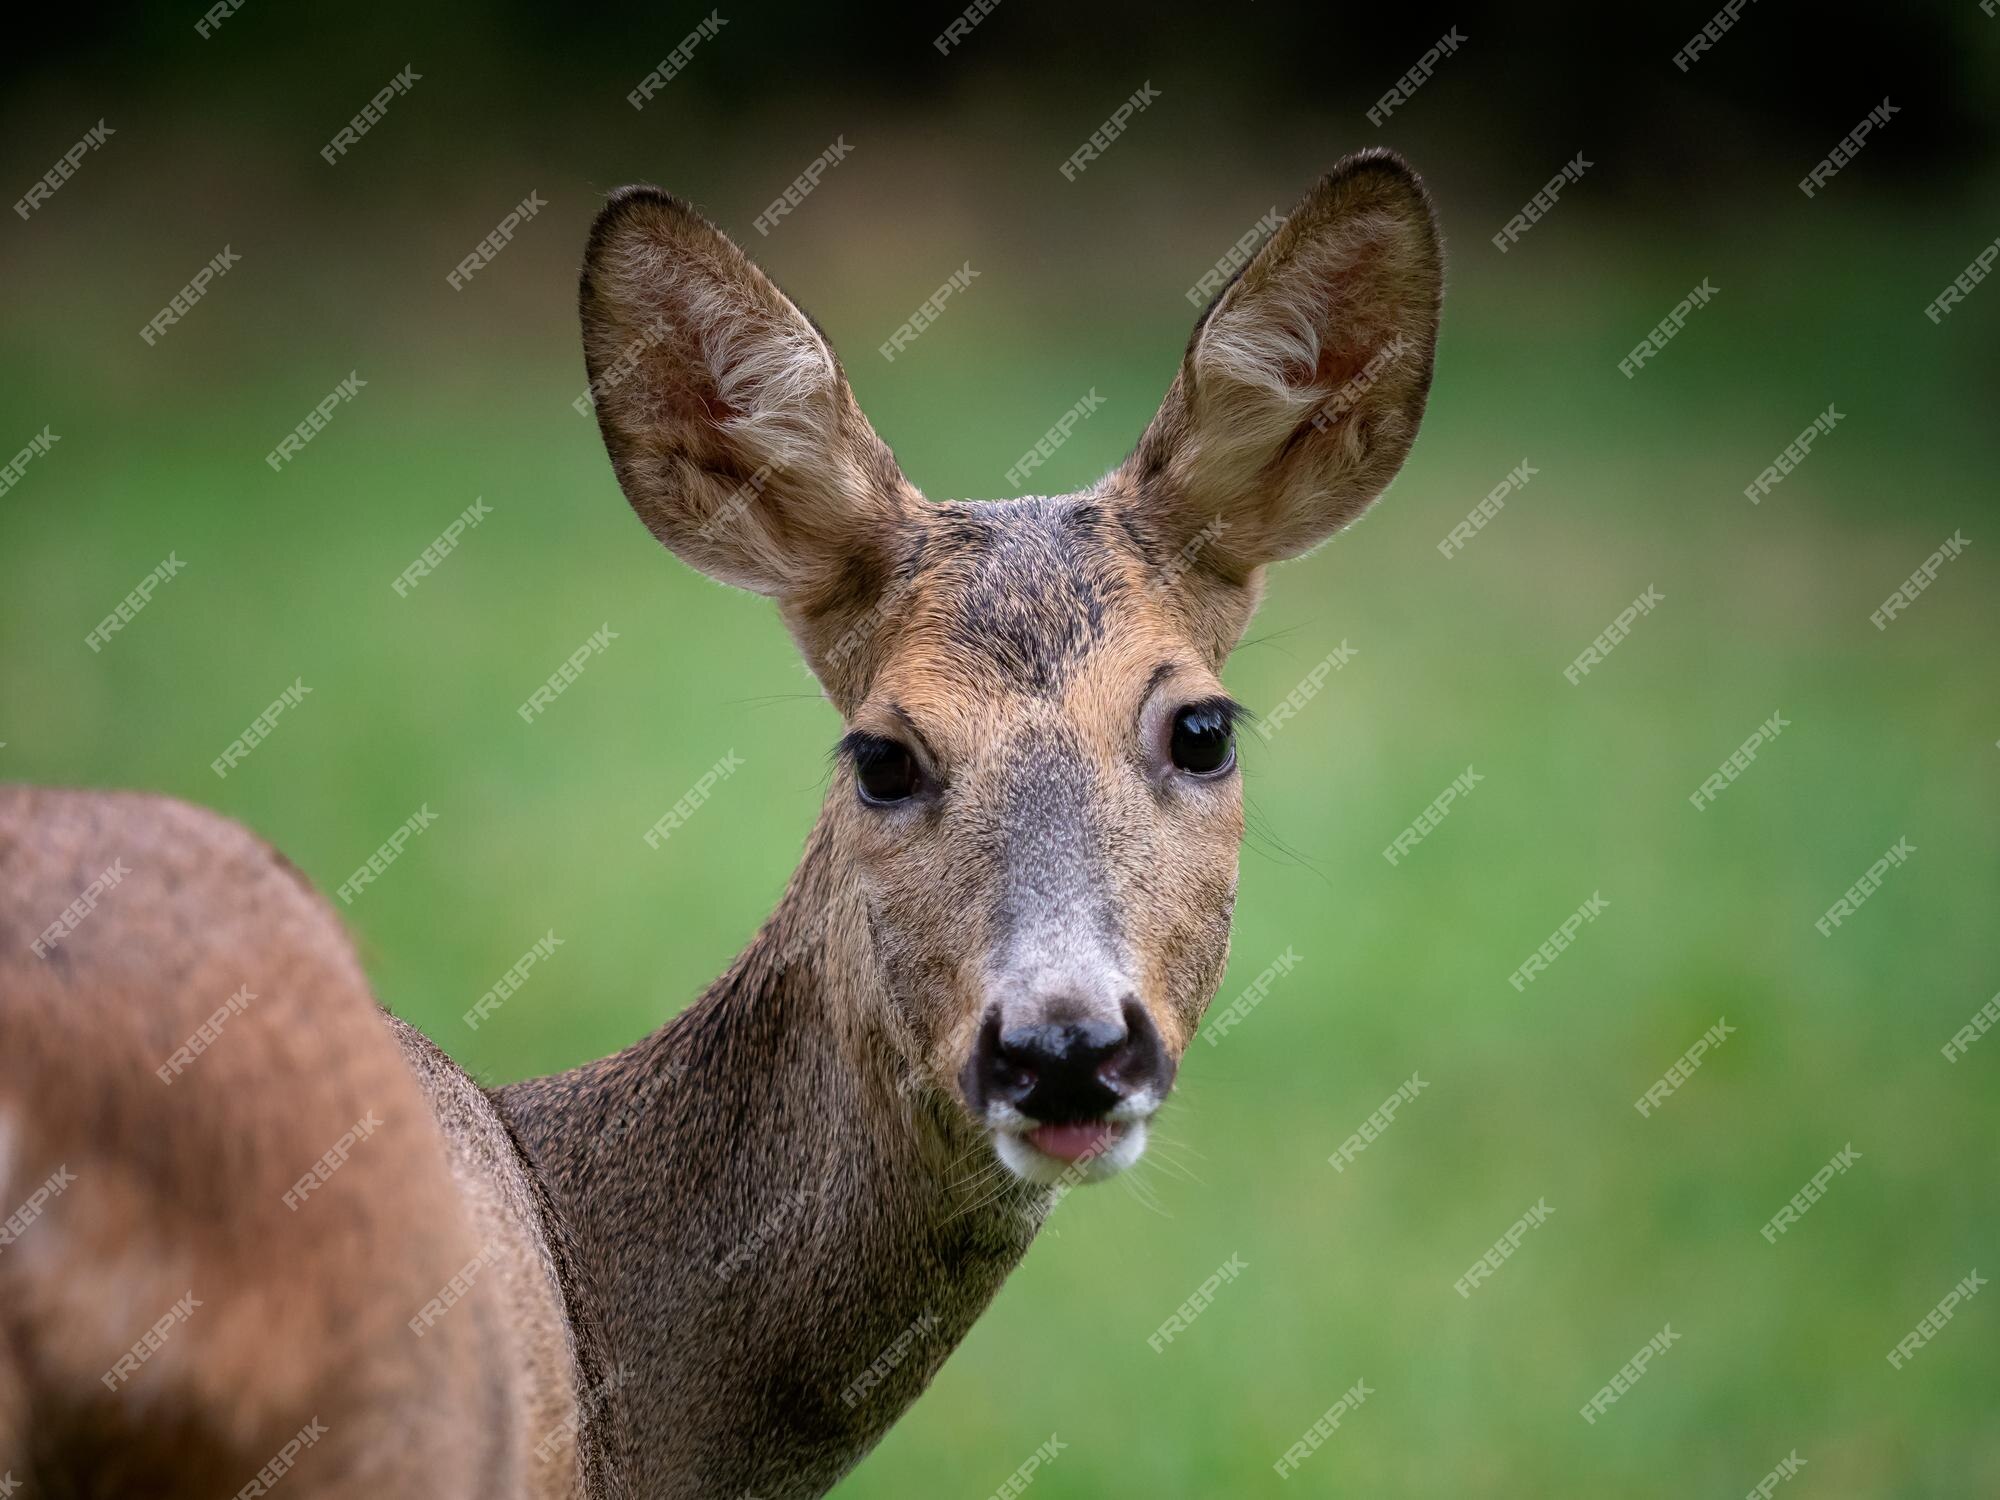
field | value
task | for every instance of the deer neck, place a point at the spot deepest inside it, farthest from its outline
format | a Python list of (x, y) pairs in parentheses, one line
[(778, 1238)]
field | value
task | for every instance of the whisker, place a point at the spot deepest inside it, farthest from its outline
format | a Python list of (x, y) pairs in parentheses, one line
[(1143, 1193), (1168, 1162)]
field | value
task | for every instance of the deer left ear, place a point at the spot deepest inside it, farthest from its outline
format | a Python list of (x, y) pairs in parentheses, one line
[(1303, 384), (733, 431)]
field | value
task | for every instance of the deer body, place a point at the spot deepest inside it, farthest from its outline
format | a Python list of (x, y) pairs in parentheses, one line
[(304, 1188), (724, 1261)]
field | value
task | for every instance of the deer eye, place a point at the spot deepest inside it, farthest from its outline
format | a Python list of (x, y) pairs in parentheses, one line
[(1202, 743), (884, 770)]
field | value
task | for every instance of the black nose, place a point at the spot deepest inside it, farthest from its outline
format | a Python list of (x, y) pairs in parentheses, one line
[(1068, 1072)]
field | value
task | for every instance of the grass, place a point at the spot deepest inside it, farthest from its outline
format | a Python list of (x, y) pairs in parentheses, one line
[(1401, 969)]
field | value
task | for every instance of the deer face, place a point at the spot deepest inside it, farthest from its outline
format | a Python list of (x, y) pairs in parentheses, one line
[(1045, 807), (1037, 794)]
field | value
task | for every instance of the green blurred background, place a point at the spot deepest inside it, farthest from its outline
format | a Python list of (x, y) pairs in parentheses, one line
[(1458, 662)]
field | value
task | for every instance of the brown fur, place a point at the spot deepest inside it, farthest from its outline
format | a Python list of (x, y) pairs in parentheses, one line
[(697, 1247), (179, 1188)]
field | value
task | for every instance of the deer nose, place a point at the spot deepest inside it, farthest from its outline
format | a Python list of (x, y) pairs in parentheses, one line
[(1064, 1072)]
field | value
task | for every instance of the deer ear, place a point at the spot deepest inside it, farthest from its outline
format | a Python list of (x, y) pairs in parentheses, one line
[(1303, 384), (730, 425)]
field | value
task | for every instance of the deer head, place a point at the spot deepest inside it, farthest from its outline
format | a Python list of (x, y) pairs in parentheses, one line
[(1036, 794)]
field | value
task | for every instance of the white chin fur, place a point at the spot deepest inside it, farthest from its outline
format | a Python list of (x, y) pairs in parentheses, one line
[(1031, 1165)]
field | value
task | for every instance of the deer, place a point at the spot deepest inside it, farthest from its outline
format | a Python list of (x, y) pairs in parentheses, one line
[(261, 1231)]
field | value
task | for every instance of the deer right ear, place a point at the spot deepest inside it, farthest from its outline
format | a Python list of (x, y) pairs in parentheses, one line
[(1303, 384), (731, 428)]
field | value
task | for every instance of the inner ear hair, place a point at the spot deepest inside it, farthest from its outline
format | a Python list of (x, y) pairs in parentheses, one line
[(729, 422), (1303, 385)]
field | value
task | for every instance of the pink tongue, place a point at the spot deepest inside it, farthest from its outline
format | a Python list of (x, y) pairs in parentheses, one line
[(1073, 1142)]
